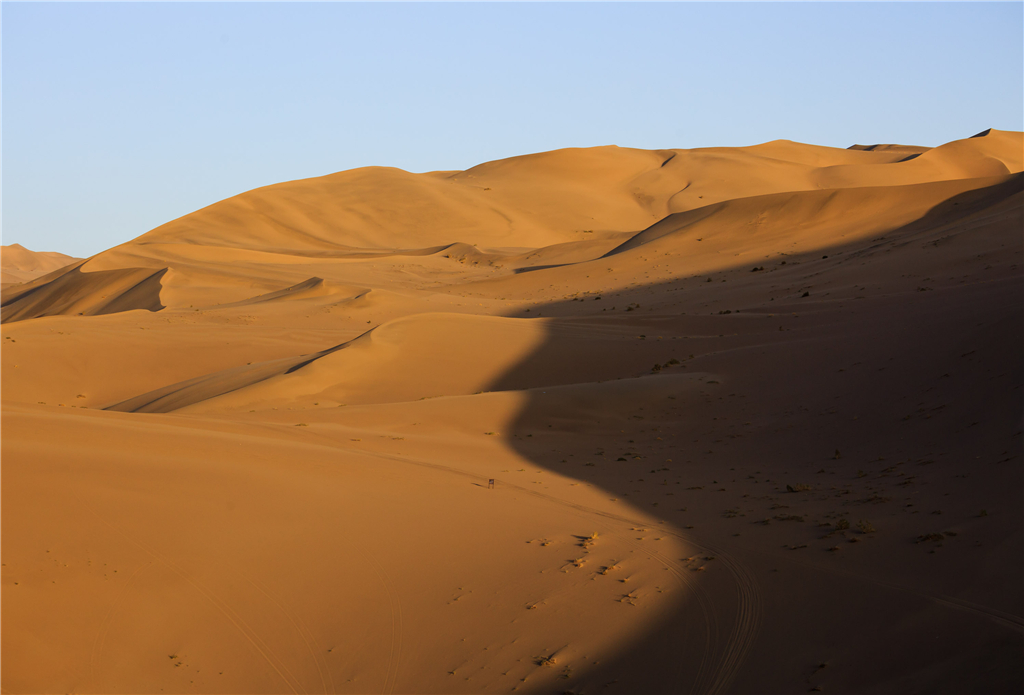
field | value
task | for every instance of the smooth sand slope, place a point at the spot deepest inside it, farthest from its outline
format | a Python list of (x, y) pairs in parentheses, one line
[(753, 418)]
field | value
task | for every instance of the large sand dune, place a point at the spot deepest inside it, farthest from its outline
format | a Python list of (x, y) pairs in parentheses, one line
[(752, 417)]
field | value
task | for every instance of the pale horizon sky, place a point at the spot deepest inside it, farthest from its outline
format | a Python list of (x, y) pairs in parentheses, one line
[(119, 117)]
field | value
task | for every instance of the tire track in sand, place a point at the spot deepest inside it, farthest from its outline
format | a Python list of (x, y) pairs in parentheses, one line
[(101, 636), (302, 629), (395, 657)]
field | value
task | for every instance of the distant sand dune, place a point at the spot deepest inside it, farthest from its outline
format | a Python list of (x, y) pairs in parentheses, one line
[(560, 205), (18, 264), (826, 216)]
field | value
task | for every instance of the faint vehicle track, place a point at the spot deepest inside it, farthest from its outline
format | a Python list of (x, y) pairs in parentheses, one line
[(395, 658), (716, 671), (101, 636), (304, 632), (253, 638)]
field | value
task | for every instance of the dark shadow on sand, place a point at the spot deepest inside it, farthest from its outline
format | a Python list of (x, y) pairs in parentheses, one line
[(784, 363)]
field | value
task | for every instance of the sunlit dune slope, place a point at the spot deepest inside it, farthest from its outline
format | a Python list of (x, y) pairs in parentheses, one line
[(991, 153), (406, 359), (422, 356), (274, 237), (822, 217), (343, 571), (906, 151), (18, 264)]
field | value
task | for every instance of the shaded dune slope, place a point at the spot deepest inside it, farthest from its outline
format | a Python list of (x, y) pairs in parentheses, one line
[(70, 291)]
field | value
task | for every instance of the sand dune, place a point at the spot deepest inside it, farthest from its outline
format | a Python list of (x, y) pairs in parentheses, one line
[(992, 153), (752, 418), (277, 236), (69, 291), (18, 264), (823, 217), (414, 358), (903, 151)]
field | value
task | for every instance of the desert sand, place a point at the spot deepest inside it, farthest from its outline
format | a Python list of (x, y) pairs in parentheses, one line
[(18, 264), (752, 417)]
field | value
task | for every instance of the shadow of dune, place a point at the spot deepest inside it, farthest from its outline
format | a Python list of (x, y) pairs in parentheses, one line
[(867, 374), (532, 269)]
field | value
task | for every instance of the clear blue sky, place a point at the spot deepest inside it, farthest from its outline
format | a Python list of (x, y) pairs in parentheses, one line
[(120, 117)]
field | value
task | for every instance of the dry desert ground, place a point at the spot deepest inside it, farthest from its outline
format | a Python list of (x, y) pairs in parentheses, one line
[(752, 415)]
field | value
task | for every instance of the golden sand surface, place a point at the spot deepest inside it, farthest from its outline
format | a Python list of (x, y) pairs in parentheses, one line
[(18, 264), (592, 420)]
